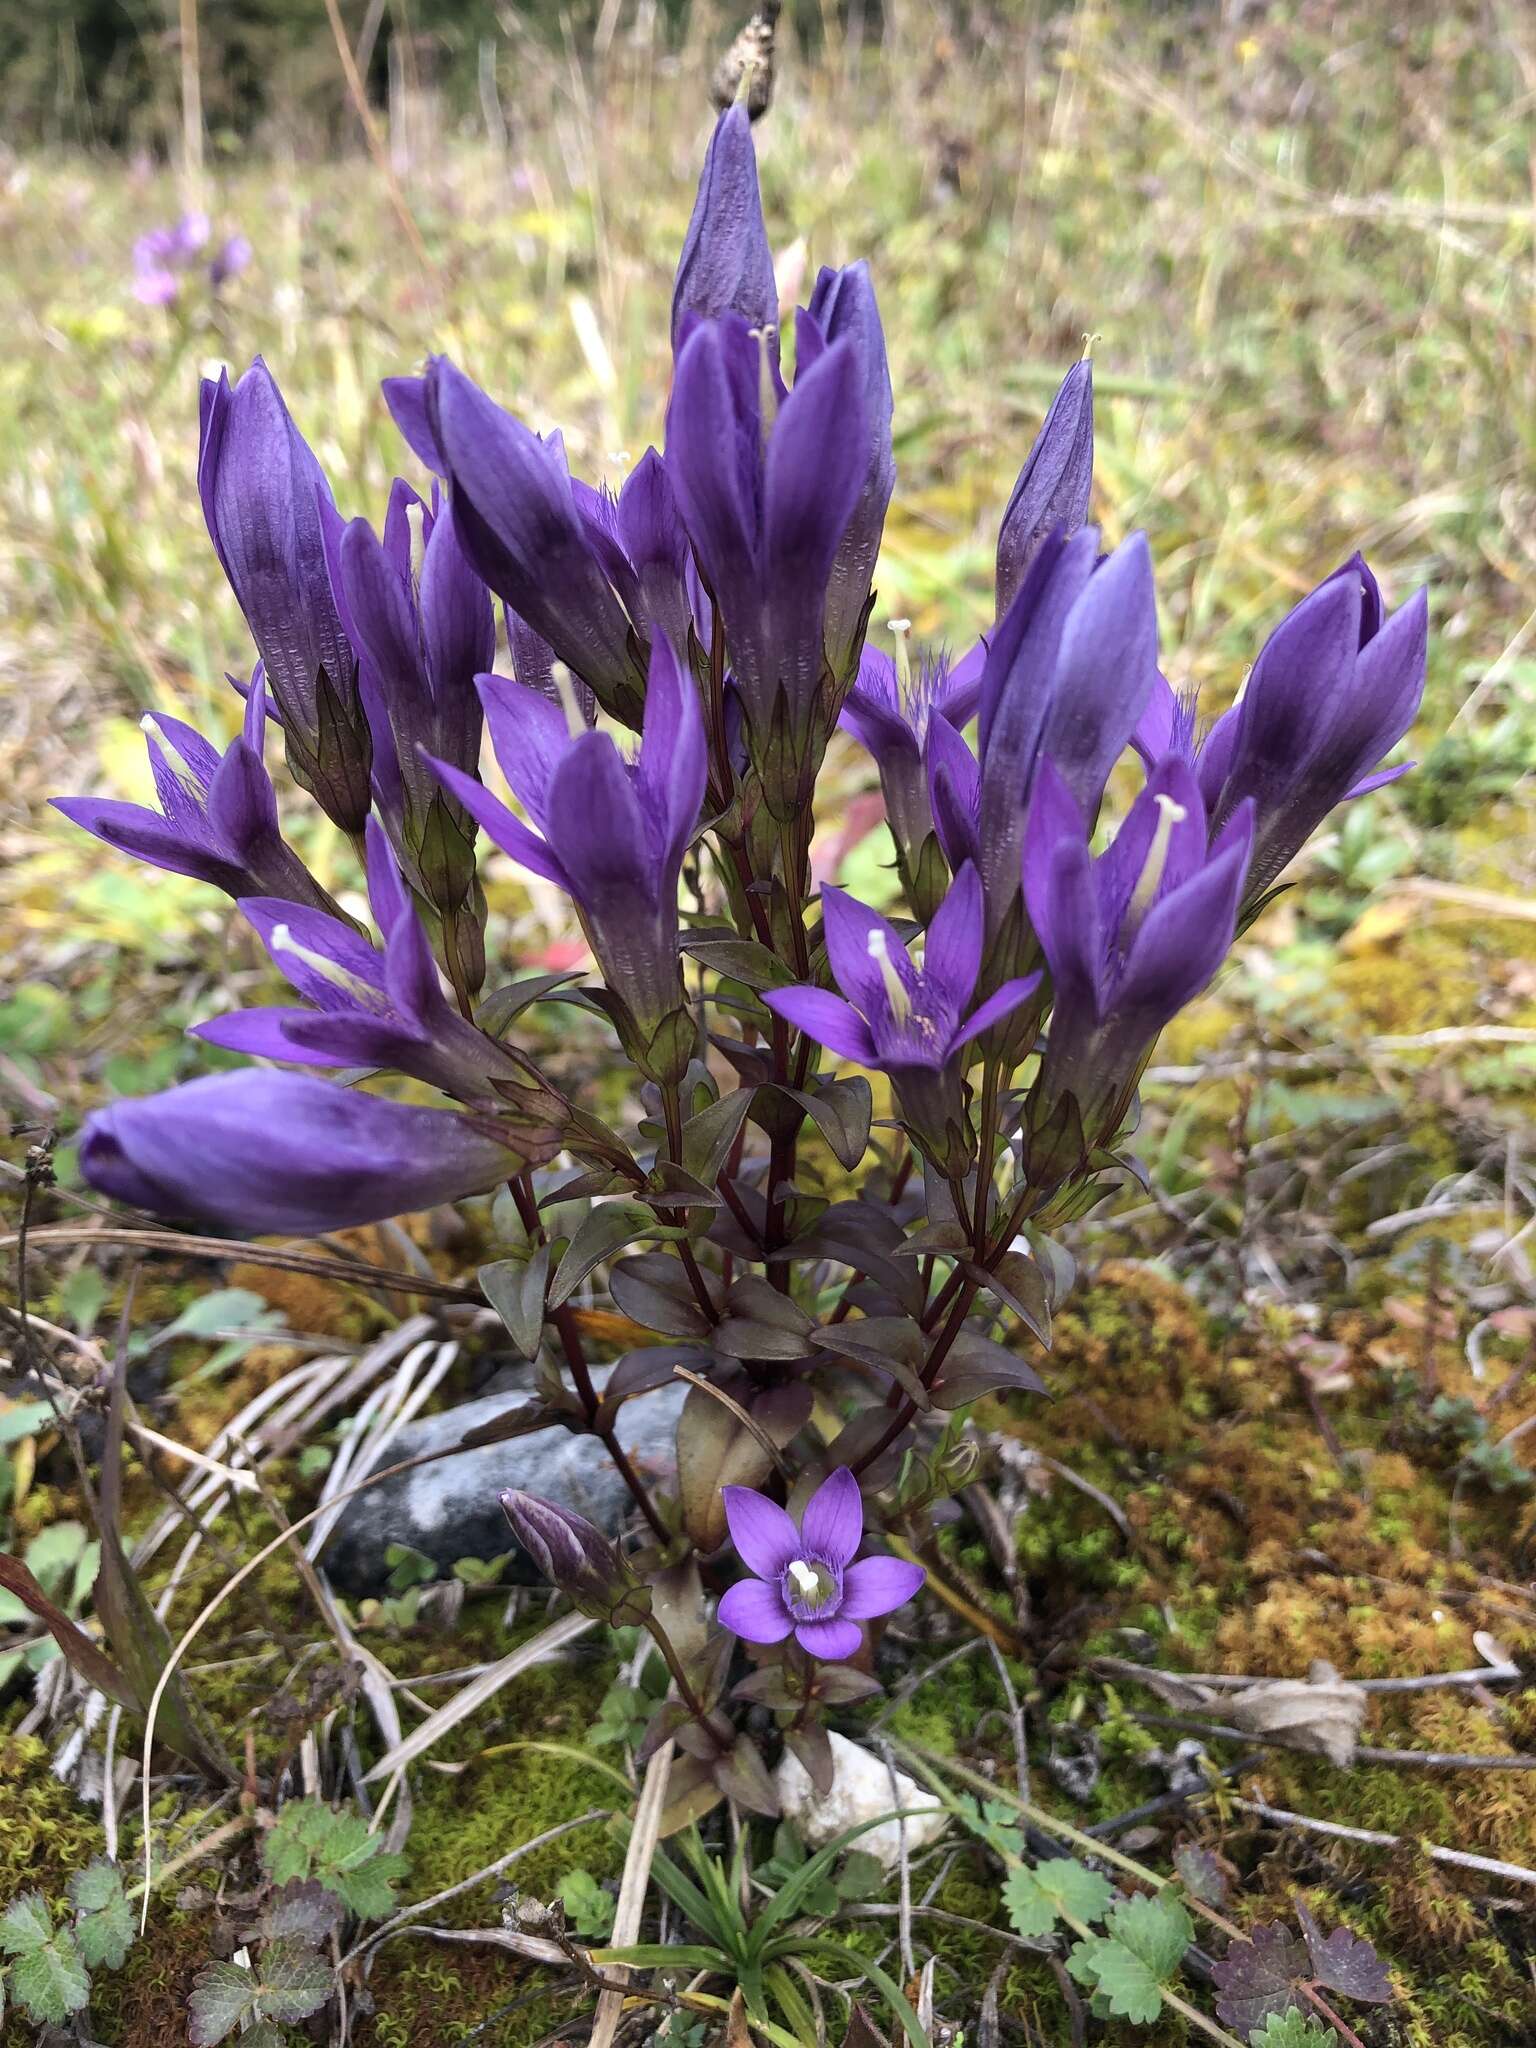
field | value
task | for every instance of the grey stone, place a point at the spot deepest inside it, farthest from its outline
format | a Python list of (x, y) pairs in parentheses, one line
[(450, 1510)]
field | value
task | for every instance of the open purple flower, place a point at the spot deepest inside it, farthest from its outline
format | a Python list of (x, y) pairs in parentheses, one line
[(1130, 936), (1336, 686), (264, 1154), (805, 1580), (889, 711), (218, 813), (1054, 486), (370, 1008), (614, 832), (908, 1022), (266, 502)]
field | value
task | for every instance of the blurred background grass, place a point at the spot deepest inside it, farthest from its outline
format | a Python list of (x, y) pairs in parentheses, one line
[(1304, 238)]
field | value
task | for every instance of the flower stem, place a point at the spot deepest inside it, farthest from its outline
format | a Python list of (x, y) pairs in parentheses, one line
[(569, 1333), (674, 1664)]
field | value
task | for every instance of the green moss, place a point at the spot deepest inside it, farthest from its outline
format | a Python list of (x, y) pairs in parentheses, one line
[(45, 1833)]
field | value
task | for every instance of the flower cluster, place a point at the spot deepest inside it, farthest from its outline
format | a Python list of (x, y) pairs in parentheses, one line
[(164, 258), (659, 692)]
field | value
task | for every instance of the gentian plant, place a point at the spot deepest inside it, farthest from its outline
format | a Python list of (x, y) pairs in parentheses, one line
[(854, 1136)]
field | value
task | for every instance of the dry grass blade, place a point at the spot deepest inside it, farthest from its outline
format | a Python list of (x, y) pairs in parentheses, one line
[(402, 1921), (279, 1258), (237, 1579), (548, 1643), (643, 1837)]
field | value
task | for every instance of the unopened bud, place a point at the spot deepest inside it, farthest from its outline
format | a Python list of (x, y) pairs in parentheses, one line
[(578, 1558)]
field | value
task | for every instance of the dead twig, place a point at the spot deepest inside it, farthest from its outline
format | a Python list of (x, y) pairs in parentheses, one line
[(1280, 1816)]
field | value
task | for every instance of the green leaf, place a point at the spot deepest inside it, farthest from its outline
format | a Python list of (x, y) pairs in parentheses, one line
[(742, 960), (480, 1571), (605, 1231), (515, 1289), (709, 1135), (26, 1418), (1020, 1285), (48, 1977), (1157, 1930), (1129, 1989), (1293, 2030), (669, 1955), (289, 1983), (408, 1567), (310, 1839), (26, 1925), (52, 1982), (104, 1924), (841, 1111), (1061, 1888), (588, 1907)]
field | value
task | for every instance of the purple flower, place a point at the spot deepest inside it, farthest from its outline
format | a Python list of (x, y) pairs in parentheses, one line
[(538, 539), (155, 283), (1334, 689), (264, 1154), (229, 259), (1054, 486), (266, 504), (370, 1008), (614, 832), (1068, 673), (218, 813), (843, 306), (423, 626), (905, 1021), (889, 711), (1130, 937), (726, 265), (805, 1579), (768, 481)]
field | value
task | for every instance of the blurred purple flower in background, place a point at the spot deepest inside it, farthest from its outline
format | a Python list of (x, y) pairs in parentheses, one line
[(165, 258)]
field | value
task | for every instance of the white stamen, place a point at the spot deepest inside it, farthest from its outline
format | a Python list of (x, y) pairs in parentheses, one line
[(283, 941), (806, 1583), (1169, 814), (902, 628), (570, 703), (895, 987)]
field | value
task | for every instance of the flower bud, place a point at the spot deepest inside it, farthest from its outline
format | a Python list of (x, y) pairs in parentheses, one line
[(575, 1556)]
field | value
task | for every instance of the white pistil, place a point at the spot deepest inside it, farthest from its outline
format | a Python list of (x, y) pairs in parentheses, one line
[(570, 703), (1169, 814), (416, 524), (767, 388), (283, 941), (149, 725), (806, 1583), (902, 628), (895, 987)]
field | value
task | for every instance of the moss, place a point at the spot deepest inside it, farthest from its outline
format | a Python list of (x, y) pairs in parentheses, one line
[(45, 1833)]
